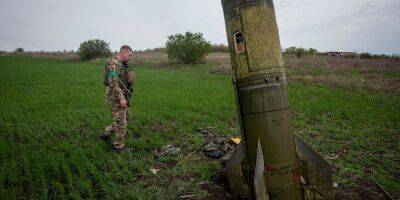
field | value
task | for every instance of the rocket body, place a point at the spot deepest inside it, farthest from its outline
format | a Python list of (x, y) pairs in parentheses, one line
[(261, 91)]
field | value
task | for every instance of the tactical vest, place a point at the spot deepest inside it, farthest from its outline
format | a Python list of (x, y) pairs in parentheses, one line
[(123, 77)]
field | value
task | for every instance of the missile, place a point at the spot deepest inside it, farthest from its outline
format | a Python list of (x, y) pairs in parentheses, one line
[(271, 162)]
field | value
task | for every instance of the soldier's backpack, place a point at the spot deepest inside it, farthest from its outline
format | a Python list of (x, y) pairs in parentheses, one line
[(107, 75)]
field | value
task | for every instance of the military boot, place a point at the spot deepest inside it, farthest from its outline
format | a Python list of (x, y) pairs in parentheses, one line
[(106, 138)]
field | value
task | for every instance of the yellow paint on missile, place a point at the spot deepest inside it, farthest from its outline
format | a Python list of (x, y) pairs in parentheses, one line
[(261, 38)]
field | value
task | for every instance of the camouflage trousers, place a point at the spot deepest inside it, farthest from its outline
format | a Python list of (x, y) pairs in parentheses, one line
[(121, 117)]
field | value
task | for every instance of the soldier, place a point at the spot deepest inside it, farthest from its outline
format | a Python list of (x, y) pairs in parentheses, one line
[(118, 79)]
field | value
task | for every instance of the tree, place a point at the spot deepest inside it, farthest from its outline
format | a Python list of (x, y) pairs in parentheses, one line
[(365, 56), (190, 48), (291, 50), (395, 55), (19, 50), (300, 52), (220, 48), (94, 49), (312, 51)]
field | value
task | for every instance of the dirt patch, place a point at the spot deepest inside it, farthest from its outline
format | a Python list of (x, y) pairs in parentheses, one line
[(169, 164), (217, 189), (158, 126), (363, 191), (189, 177)]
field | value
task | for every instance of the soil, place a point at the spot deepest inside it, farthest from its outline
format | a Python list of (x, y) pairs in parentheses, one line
[(365, 190)]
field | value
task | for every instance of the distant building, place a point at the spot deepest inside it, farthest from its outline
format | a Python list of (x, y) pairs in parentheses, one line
[(341, 54)]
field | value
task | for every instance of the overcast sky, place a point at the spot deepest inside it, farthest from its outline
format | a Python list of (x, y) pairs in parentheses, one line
[(346, 25)]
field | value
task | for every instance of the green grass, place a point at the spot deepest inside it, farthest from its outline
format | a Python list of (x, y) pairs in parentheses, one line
[(52, 112)]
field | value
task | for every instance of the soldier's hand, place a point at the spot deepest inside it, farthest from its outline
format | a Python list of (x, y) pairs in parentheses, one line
[(123, 103), (131, 77)]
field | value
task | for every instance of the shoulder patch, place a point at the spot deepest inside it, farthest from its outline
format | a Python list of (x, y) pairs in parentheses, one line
[(112, 74)]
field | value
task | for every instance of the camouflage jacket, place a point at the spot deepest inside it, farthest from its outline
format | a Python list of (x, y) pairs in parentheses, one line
[(116, 78)]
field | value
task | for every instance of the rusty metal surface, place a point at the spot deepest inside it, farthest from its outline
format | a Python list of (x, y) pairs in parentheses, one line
[(236, 175), (316, 172)]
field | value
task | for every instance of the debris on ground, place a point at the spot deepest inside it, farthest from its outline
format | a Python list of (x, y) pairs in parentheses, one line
[(335, 169), (167, 150), (212, 150), (154, 170), (333, 157), (236, 140), (218, 146), (188, 196)]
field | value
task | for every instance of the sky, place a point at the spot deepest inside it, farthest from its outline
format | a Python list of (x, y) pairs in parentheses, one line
[(51, 25)]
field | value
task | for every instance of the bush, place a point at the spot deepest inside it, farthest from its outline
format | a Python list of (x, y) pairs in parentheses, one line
[(94, 49), (312, 51), (300, 52), (365, 56), (395, 56), (19, 50), (190, 48), (291, 50), (159, 49), (220, 48)]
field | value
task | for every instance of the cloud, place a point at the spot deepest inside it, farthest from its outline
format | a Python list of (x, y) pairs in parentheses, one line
[(342, 25), (365, 25)]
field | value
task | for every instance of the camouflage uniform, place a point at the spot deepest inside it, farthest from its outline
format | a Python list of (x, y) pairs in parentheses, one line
[(117, 87)]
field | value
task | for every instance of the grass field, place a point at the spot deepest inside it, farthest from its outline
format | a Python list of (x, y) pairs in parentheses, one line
[(52, 112)]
